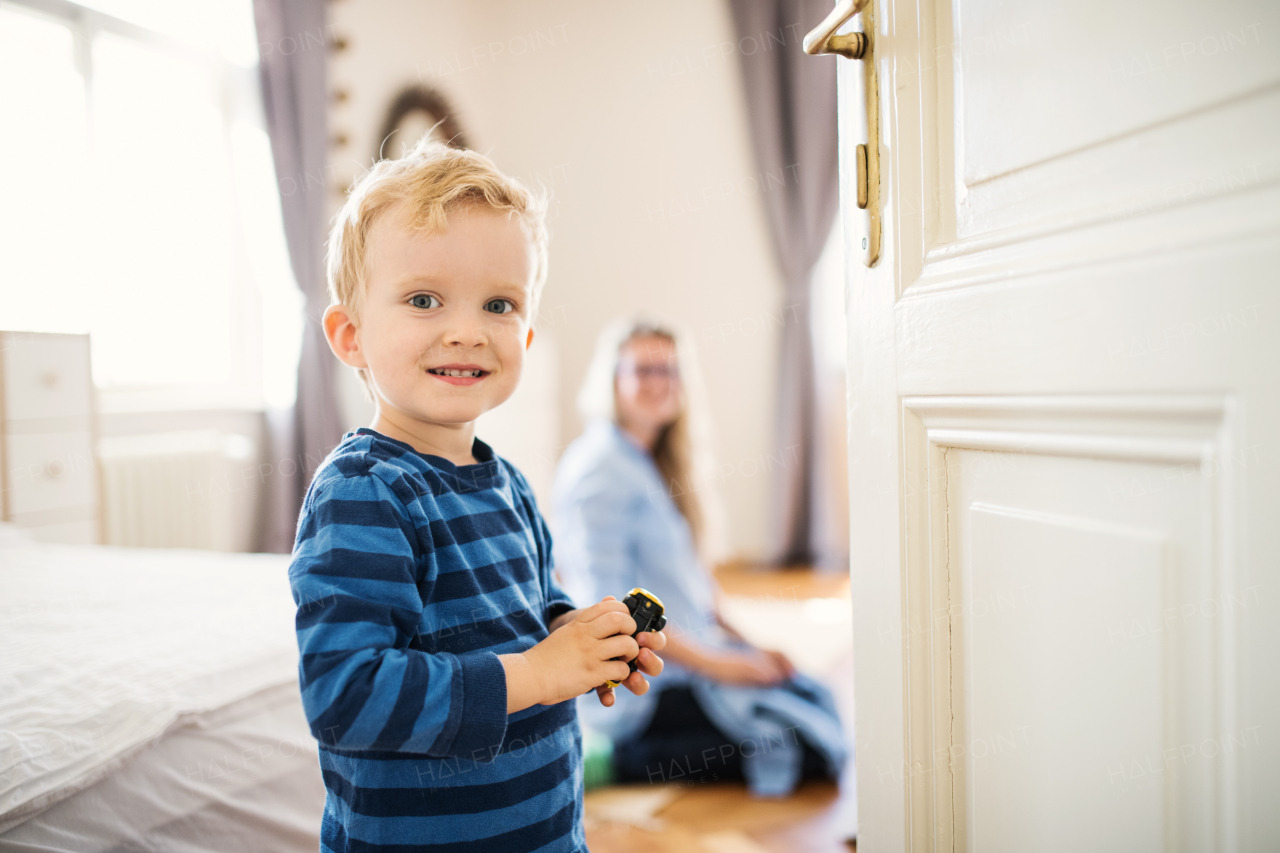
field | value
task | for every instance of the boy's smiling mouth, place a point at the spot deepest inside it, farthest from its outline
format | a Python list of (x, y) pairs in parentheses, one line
[(459, 374)]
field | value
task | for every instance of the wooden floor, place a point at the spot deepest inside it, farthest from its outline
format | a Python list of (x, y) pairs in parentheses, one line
[(723, 817), (745, 579)]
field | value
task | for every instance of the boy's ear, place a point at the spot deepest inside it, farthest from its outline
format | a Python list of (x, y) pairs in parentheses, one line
[(529, 340), (343, 335)]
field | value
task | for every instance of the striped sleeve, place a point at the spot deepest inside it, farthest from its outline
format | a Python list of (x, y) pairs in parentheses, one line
[(354, 578)]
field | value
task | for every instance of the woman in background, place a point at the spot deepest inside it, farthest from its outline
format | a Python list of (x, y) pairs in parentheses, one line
[(630, 511)]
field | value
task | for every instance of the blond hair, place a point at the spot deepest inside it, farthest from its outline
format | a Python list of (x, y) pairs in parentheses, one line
[(681, 452), (429, 182)]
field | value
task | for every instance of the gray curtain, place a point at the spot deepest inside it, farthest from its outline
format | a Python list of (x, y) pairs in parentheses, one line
[(293, 44), (791, 103)]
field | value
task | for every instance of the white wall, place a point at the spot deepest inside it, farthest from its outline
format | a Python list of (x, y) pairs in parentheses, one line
[(632, 114)]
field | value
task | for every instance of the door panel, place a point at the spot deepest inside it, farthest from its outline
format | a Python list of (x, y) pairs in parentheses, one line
[(1039, 80), (1085, 635), (1030, 684), (1145, 169), (1067, 595), (1063, 377)]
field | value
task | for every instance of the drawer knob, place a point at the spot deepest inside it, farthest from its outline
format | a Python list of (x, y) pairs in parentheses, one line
[(50, 379), (55, 469)]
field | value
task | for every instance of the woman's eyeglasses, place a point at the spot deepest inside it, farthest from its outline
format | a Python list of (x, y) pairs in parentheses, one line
[(651, 371)]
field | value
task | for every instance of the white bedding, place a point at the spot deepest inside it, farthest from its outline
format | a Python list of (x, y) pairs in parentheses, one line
[(105, 650), (245, 779)]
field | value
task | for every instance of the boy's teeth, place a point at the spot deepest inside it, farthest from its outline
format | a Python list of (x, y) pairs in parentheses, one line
[(467, 373)]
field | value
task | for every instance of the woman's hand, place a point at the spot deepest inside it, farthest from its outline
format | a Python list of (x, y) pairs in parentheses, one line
[(750, 666), (755, 668), (781, 660)]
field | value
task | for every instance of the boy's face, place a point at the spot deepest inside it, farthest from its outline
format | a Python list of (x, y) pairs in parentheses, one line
[(440, 305)]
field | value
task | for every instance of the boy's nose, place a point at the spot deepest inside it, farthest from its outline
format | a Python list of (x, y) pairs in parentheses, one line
[(466, 333)]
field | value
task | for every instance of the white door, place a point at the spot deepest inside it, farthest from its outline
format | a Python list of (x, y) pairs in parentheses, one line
[(1064, 403)]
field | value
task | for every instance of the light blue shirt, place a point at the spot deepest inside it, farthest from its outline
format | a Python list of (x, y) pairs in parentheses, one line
[(616, 527)]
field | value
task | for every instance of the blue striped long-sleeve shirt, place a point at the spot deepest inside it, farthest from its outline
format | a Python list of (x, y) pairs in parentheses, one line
[(411, 576)]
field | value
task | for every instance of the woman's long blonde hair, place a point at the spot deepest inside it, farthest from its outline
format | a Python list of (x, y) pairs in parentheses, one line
[(680, 452)]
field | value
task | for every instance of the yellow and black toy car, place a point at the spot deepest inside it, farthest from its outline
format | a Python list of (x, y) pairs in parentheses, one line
[(646, 608)]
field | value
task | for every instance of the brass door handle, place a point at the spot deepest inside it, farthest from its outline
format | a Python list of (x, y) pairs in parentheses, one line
[(824, 39)]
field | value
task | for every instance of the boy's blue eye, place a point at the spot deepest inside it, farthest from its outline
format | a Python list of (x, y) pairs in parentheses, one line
[(424, 300), (499, 306)]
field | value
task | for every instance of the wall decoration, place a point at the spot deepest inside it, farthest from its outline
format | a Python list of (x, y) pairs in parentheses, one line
[(413, 113)]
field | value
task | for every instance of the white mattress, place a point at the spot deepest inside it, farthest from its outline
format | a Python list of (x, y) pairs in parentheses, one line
[(244, 779), (149, 701)]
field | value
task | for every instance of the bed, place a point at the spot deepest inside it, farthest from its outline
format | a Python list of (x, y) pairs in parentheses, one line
[(149, 701)]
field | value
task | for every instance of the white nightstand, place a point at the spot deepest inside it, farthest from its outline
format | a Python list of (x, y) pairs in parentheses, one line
[(48, 463)]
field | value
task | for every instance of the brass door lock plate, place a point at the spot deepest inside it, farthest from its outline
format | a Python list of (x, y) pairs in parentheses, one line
[(824, 39)]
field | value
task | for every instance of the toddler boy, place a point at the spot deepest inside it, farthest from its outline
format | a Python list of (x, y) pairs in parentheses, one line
[(439, 656)]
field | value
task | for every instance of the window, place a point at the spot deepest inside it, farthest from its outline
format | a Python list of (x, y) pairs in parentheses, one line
[(138, 200)]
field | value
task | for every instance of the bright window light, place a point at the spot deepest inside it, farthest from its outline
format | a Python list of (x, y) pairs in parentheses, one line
[(140, 203), (164, 191), (45, 170), (269, 261), (218, 26)]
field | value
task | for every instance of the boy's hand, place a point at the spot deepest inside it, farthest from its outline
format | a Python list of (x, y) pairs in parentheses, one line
[(579, 655), (649, 663)]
